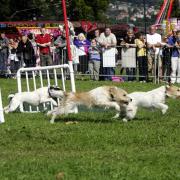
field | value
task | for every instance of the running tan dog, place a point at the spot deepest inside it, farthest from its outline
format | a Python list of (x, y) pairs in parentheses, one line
[(104, 96)]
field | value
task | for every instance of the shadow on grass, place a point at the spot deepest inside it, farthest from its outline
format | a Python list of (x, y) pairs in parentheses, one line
[(104, 118), (141, 119), (84, 119)]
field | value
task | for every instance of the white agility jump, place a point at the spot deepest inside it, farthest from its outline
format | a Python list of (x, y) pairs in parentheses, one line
[(2, 120), (36, 77)]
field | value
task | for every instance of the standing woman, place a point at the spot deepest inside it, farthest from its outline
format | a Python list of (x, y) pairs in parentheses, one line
[(141, 57), (82, 45), (129, 55), (26, 52), (13, 61)]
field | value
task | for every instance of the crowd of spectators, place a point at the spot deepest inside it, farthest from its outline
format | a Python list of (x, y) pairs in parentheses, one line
[(147, 55)]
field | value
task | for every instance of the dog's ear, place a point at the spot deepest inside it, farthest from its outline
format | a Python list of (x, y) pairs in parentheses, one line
[(112, 92), (169, 83), (167, 90), (168, 87)]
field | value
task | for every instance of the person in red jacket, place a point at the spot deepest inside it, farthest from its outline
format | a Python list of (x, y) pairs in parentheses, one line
[(43, 41)]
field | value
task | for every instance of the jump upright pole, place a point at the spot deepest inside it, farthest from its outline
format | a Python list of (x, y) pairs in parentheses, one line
[(68, 46)]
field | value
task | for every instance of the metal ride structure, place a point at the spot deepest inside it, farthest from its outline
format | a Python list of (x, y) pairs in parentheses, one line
[(51, 73), (165, 11)]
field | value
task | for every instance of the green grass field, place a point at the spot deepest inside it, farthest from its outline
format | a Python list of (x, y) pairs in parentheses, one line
[(97, 148)]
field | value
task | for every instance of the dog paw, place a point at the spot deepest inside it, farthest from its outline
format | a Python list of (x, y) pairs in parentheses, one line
[(125, 120), (6, 112), (164, 110), (52, 121), (48, 113), (116, 116)]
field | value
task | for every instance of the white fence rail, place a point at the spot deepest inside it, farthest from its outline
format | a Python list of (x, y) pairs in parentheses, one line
[(38, 75)]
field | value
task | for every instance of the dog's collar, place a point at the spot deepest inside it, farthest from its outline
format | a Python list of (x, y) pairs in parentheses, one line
[(49, 93), (54, 88)]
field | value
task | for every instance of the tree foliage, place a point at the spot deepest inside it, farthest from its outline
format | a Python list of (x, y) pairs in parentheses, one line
[(176, 9), (52, 9), (4, 9)]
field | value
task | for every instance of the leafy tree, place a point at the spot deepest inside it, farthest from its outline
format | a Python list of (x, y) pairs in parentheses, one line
[(176, 9), (4, 9), (89, 10), (52, 9)]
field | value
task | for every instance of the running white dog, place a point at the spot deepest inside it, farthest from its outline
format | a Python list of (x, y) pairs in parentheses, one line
[(154, 99), (105, 96), (41, 95)]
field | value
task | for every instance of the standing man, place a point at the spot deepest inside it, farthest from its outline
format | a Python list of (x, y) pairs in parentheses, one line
[(153, 44), (175, 56), (107, 41), (44, 42), (3, 53)]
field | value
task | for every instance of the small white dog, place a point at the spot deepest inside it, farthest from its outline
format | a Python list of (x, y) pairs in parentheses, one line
[(154, 99), (104, 96), (41, 95)]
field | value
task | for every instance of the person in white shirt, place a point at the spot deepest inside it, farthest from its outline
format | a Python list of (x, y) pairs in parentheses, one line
[(108, 40), (153, 44)]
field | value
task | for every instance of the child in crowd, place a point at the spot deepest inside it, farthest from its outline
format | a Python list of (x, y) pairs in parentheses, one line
[(94, 60), (141, 57)]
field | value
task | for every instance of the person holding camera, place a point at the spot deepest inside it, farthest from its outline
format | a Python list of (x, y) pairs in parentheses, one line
[(94, 60)]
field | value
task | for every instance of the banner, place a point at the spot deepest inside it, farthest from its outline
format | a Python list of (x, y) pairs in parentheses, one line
[(87, 26), (109, 59), (35, 30), (30, 24)]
